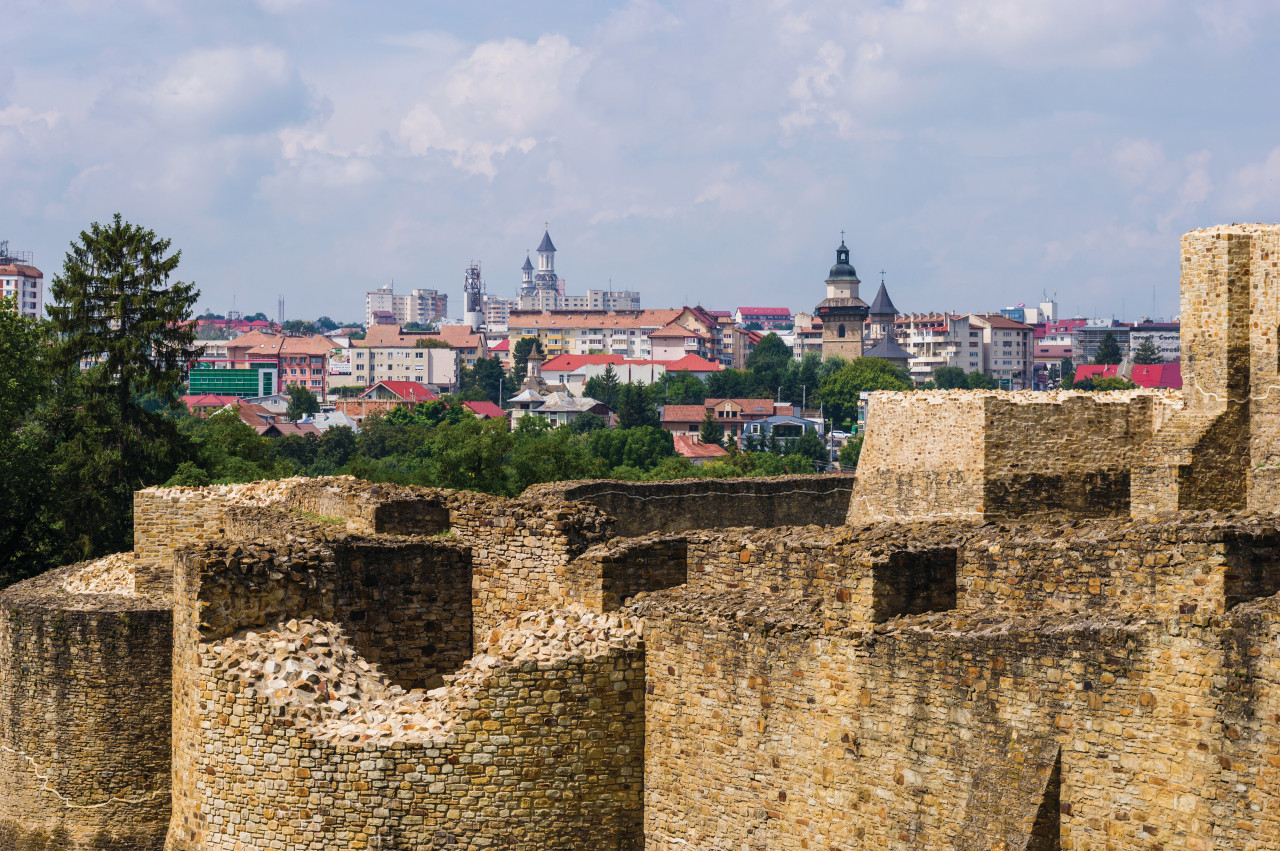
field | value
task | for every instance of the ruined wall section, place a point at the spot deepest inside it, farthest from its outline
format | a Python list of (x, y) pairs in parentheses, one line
[(84, 715), (642, 508), (532, 751), (982, 455), (922, 458)]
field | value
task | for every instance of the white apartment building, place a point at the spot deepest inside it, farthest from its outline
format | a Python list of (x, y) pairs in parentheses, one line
[(21, 281), (1008, 350), (936, 340), (420, 305), (400, 360), (497, 310)]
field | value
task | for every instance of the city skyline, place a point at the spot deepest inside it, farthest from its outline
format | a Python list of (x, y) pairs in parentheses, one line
[(981, 153)]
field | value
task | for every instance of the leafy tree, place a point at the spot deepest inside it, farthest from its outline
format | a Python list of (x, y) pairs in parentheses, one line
[(1115, 382), (431, 343), (753, 326), (295, 450), (712, 431), (981, 381), (486, 380), (302, 402), (587, 422), (1147, 353), (324, 323), (549, 454), (298, 326), (811, 446), (642, 447), (727, 384), (470, 454), (1068, 369), (635, 407), (603, 387), (839, 392), (850, 451), (520, 357), (950, 378), (681, 388), (336, 445), (1108, 350), (257, 317), (23, 466), (769, 364)]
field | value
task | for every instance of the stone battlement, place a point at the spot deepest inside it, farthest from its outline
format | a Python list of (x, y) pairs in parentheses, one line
[(1051, 622)]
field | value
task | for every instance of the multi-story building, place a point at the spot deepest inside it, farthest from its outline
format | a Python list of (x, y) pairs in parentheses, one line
[(806, 335), (1086, 338), (21, 281), (420, 306), (1166, 336), (769, 318), (1046, 312), (298, 360), (842, 312), (388, 354), (1008, 350), (936, 340), (624, 333), (496, 311)]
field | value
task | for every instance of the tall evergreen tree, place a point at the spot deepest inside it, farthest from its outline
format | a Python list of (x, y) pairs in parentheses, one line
[(711, 431), (1147, 353), (1108, 350), (520, 356), (1068, 370)]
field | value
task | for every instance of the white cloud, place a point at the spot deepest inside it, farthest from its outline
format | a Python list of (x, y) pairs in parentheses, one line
[(503, 97), (1256, 187)]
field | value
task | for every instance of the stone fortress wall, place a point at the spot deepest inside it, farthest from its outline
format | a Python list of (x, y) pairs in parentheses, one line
[(1006, 660)]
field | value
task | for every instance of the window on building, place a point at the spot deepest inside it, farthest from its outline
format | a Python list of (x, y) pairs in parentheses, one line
[(840, 331)]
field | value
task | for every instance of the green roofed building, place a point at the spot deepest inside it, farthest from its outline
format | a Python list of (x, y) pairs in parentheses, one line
[(254, 379)]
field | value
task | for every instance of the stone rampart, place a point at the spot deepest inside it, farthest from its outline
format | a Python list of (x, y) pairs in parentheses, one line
[(981, 455), (532, 749), (641, 508), (84, 716)]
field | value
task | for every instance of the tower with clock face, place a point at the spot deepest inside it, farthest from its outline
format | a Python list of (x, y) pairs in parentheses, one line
[(842, 312)]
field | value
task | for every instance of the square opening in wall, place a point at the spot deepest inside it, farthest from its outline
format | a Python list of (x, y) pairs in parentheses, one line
[(911, 582)]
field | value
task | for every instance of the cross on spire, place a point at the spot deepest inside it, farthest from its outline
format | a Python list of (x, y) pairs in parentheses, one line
[(842, 237)]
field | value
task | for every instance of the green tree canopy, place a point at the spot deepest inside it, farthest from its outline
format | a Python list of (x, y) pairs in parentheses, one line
[(117, 309), (1115, 382), (769, 364), (520, 357), (1068, 373), (603, 387), (302, 402), (1108, 350), (839, 392), (981, 381), (711, 430), (635, 407), (950, 378), (1147, 353)]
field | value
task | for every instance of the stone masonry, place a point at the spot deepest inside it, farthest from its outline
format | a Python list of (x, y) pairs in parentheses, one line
[(1034, 631)]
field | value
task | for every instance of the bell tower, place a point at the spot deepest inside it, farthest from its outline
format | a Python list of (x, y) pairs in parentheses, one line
[(842, 312)]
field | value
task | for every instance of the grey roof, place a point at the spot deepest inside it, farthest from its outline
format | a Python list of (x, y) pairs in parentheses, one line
[(843, 270), (882, 304), (887, 348), (527, 267), (546, 245)]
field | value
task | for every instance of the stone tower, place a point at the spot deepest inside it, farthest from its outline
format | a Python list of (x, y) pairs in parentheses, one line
[(842, 312)]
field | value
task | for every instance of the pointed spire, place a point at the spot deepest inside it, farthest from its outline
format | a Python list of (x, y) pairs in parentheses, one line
[(882, 305), (546, 244), (528, 265)]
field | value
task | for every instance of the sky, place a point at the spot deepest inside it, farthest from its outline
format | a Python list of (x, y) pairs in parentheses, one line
[(982, 153)]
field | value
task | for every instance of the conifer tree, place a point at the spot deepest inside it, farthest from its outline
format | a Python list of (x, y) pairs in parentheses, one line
[(1108, 350), (1147, 353)]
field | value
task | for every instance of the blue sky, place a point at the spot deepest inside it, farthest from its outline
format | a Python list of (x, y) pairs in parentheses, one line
[(704, 152)]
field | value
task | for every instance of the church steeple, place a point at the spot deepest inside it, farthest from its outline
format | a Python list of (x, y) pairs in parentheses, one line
[(842, 312)]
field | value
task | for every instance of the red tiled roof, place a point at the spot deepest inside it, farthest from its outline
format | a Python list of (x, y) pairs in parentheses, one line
[(689, 448), (208, 400), (457, 336), (995, 320), (568, 363), (410, 391), (503, 345), (674, 330), (764, 311), (1158, 375), (693, 363), (485, 410), (591, 319), (20, 269), (683, 413), (1096, 371), (282, 429)]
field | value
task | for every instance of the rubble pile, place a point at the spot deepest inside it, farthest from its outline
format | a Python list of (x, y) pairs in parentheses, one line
[(312, 668), (113, 574)]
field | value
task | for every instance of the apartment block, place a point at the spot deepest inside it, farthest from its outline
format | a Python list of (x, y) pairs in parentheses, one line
[(21, 281), (939, 339), (1008, 350)]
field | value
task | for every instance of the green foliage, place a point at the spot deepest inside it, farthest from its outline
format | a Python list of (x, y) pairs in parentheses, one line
[(641, 448), (981, 381), (520, 357), (1147, 353), (636, 407), (1108, 350), (1068, 372), (298, 326), (1113, 383), (769, 364), (711, 430), (431, 343), (117, 308), (325, 324), (587, 422), (485, 380), (950, 378), (728, 384), (681, 388), (604, 388), (302, 402), (839, 392), (849, 453)]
